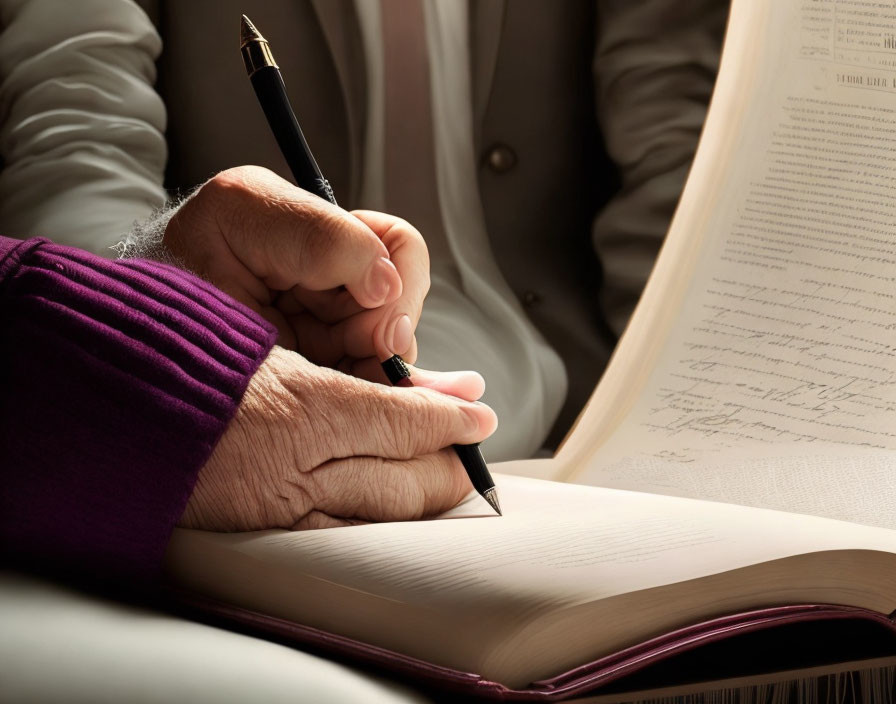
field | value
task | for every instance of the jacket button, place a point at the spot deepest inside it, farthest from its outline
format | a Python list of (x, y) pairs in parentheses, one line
[(500, 158)]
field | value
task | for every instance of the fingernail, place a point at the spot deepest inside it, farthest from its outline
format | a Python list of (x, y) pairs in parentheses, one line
[(472, 415), (488, 419), (402, 335), (379, 280)]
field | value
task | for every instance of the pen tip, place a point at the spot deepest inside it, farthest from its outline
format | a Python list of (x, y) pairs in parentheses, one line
[(248, 32), (491, 495)]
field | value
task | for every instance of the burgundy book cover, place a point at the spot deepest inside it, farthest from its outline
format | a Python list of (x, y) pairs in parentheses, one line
[(873, 632)]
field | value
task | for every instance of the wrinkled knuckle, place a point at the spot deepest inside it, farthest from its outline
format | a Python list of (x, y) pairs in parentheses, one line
[(402, 430), (323, 399), (440, 409), (400, 231), (433, 418), (239, 192), (305, 494), (348, 407), (399, 495), (402, 234), (323, 489), (228, 183), (436, 488), (292, 395), (225, 196), (385, 497)]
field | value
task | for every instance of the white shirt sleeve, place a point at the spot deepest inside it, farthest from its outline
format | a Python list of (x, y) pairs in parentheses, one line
[(81, 127)]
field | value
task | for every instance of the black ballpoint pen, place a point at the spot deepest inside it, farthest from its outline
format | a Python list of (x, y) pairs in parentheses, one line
[(470, 455), (264, 74)]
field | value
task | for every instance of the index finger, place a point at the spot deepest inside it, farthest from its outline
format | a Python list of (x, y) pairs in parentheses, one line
[(384, 489), (360, 418)]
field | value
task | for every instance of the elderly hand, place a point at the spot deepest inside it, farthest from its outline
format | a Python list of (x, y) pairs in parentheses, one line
[(310, 448), (345, 290)]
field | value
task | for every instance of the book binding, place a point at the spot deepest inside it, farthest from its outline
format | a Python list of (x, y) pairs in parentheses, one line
[(588, 678)]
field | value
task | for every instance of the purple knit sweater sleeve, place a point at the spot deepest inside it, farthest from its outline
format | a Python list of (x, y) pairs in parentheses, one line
[(116, 381)]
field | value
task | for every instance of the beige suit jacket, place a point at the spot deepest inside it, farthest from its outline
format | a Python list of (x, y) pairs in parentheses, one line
[(586, 114)]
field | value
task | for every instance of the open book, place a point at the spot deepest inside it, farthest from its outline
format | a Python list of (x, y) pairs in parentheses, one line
[(739, 451)]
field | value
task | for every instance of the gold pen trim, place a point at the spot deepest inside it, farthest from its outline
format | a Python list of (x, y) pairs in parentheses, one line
[(257, 54), (254, 48)]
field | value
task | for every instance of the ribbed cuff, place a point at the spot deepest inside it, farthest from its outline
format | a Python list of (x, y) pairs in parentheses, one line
[(118, 379)]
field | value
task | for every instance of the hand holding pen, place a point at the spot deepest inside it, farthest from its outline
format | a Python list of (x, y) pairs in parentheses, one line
[(309, 447), (324, 277), (271, 91)]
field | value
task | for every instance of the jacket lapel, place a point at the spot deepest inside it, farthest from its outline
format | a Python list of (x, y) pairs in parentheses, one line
[(486, 23), (339, 23)]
